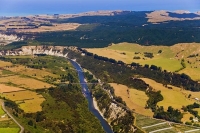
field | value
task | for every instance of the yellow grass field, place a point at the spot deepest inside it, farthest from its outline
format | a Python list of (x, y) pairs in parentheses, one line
[(32, 106), (32, 100), (186, 117), (3, 64), (172, 97), (39, 74), (55, 27), (164, 60), (5, 88), (135, 100), (169, 59), (198, 109), (28, 83)]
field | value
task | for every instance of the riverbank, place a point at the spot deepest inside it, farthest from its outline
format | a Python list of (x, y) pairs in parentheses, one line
[(97, 108)]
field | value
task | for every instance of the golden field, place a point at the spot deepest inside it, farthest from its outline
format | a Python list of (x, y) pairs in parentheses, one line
[(169, 59), (28, 101), (25, 82), (135, 100)]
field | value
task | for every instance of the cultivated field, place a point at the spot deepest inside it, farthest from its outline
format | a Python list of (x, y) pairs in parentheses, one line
[(135, 100), (1, 110), (4, 64), (148, 124), (172, 97), (175, 97), (35, 24), (9, 130), (4, 88), (198, 109), (36, 73), (169, 59), (24, 82), (54, 27), (28, 101)]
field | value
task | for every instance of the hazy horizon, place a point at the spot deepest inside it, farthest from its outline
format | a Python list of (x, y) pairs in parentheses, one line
[(33, 7)]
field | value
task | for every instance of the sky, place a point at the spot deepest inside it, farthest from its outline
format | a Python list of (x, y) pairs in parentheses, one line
[(28, 7)]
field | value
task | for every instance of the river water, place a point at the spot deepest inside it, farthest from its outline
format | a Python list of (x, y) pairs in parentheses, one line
[(85, 91)]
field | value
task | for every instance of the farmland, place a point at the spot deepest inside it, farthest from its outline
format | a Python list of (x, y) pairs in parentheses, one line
[(175, 97), (28, 101), (135, 99), (24, 82), (18, 83), (9, 130), (167, 57), (172, 97)]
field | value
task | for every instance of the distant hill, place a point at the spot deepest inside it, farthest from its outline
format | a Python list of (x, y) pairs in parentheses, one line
[(101, 28)]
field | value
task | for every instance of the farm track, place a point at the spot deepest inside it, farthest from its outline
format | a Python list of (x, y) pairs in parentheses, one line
[(21, 127)]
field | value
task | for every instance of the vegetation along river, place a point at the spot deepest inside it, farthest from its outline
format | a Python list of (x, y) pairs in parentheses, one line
[(85, 90)]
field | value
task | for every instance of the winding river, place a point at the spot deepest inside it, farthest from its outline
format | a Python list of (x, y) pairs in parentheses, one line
[(85, 91)]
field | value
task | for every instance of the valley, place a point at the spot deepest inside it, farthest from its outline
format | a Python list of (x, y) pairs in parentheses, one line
[(104, 71)]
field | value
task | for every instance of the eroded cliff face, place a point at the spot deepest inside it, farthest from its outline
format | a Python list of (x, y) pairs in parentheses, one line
[(119, 118), (50, 50), (7, 39)]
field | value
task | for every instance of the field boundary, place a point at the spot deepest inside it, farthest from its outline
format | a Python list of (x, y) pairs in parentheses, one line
[(161, 129), (155, 125), (21, 127), (192, 130)]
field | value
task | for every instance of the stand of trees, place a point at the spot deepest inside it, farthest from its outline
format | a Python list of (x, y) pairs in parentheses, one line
[(171, 114)]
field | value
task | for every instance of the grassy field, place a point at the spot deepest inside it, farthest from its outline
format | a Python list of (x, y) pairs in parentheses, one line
[(28, 101), (9, 130), (24, 82), (1, 110), (135, 100), (3, 64), (198, 109), (169, 59), (36, 73), (4, 88), (186, 117), (142, 121), (172, 97)]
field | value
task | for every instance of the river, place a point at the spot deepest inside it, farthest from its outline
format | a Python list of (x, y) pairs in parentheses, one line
[(85, 91)]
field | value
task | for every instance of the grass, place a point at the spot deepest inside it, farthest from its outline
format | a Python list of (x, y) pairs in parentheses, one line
[(32, 106), (1, 110), (168, 131), (169, 59), (135, 100), (3, 64), (197, 109), (29, 101), (175, 97), (186, 117), (142, 121), (157, 127), (5, 88), (36, 73), (25, 82), (182, 128), (9, 130), (172, 97)]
